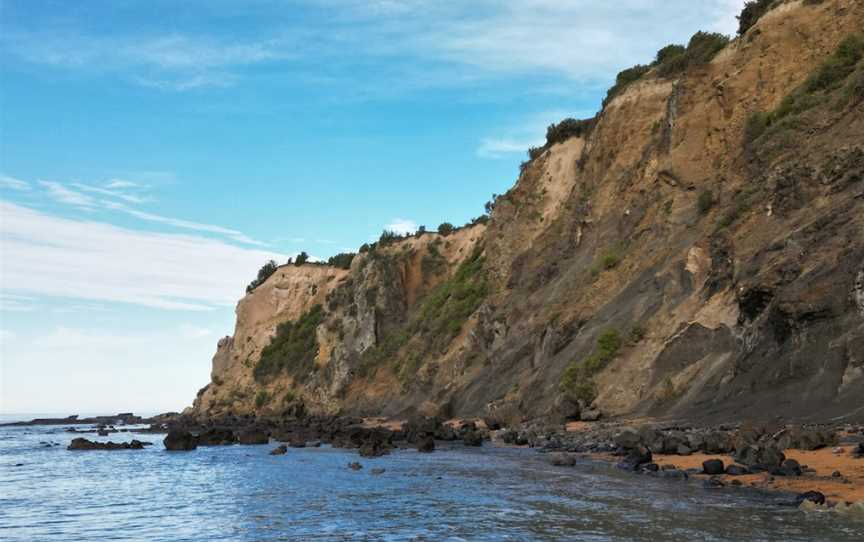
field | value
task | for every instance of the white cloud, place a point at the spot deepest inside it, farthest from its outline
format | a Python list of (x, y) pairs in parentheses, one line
[(15, 303), (497, 148), (402, 226), (180, 223), (45, 255), (62, 194), (114, 184), (6, 335), (192, 332), (428, 43), (113, 193), (13, 183)]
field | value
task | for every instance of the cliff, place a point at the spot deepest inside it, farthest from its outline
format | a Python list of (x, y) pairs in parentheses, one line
[(695, 251)]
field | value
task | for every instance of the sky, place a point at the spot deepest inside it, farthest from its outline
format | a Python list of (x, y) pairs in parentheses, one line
[(154, 154)]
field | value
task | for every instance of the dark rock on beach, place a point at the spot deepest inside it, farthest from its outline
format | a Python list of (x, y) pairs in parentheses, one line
[(253, 436), (737, 470), (713, 467), (279, 450), (814, 496), (760, 456), (180, 441), (426, 445), (216, 436), (473, 438), (561, 459), (84, 444)]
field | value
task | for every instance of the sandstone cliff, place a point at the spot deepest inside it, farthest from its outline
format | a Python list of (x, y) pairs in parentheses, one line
[(696, 251)]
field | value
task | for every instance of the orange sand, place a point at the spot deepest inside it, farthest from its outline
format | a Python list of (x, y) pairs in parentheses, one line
[(849, 487)]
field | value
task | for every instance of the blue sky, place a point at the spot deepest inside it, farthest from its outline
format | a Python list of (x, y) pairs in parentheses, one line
[(153, 155)]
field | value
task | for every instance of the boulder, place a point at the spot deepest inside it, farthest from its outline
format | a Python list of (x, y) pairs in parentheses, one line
[(812, 496), (253, 436), (760, 456), (279, 450), (84, 444), (683, 449), (737, 470), (628, 439), (216, 436), (713, 467), (561, 459), (355, 465), (374, 448), (789, 467), (592, 415), (675, 474), (635, 457), (713, 483), (420, 427), (378, 471), (473, 438), (180, 441), (426, 444), (297, 442)]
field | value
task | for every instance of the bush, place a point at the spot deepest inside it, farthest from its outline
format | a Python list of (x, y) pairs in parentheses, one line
[(388, 237), (577, 382), (701, 49), (705, 201), (301, 259), (534, 153), (668, 53), (831, 74), (623, 79), (636, 334), (263, 274), (446, 228), (752, 12), (293, 348), (342, 260), (567, 128), (261, 398), (838, 67)]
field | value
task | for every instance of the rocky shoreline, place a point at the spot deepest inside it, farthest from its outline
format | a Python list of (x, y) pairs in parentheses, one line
[(815, 466)]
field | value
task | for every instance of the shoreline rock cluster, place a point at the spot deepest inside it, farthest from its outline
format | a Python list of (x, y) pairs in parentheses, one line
[(419, 433)]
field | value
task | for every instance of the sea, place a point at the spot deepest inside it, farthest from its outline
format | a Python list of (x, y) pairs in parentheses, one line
[(242, 493)]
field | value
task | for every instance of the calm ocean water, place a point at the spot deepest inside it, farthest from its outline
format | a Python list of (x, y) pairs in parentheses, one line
[(242, 493)]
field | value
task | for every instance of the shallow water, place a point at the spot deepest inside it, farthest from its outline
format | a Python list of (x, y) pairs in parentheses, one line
[(242, 493)]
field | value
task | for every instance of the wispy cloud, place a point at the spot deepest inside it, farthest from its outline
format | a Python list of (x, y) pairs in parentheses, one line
[(402, 226), (13, 183), (180, 223), (428, 44), (114, 184), (113, 193), (60, 193), (46, 255)]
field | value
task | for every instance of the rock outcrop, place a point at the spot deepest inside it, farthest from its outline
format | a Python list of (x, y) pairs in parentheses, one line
[(695, 251)]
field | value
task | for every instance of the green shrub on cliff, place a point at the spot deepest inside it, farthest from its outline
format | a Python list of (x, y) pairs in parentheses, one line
[(831, 75), (293, 348), (261, 398), (342, 260), (263, 274), (701, 49), (752, 12), (577, 382)]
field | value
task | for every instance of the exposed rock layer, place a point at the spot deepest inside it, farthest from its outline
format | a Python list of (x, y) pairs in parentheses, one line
[(731, 267)]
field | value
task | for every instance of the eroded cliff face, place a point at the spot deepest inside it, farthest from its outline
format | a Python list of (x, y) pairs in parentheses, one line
[(728, 264)]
